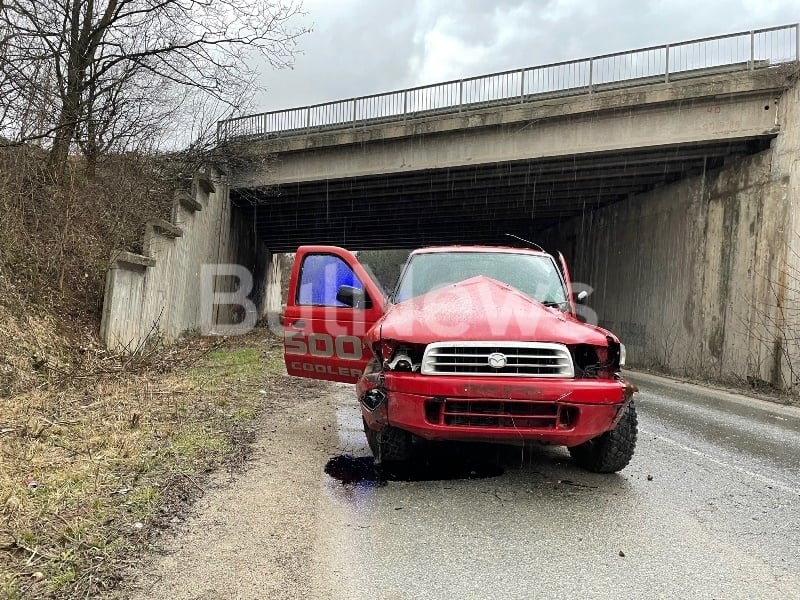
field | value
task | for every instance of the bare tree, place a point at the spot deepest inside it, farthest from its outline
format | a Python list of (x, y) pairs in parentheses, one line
[(95, 73)]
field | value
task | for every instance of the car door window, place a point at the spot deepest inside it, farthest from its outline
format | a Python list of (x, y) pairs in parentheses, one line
[(321, 276)]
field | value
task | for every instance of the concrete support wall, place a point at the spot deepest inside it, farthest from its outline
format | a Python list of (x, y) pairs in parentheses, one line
[(169, 289), (786, 168), (273, 299), (718, 107), (689, 275), (702, 277)]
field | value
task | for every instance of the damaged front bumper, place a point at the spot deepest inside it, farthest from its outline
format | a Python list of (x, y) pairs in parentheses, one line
[(558, 411)]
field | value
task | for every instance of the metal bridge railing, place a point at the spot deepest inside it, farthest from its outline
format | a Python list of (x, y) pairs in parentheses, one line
[(745, 50)]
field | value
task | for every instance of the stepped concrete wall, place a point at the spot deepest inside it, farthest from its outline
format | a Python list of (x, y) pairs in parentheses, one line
[(175, 286)]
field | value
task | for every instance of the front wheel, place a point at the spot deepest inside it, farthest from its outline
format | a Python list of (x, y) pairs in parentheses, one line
[(391, 444), (611, 451)]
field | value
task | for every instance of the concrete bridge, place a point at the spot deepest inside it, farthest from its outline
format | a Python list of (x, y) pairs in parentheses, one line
[(668, 175), (480, 173), (512, 152)]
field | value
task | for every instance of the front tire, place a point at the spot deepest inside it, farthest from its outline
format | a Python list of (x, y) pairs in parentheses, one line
[(389, 445), (611, 451)]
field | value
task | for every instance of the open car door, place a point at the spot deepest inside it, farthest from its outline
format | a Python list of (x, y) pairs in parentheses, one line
[(331, 303)]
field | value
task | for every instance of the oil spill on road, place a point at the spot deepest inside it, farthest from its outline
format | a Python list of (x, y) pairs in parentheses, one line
[(351, 469), (361, 470)]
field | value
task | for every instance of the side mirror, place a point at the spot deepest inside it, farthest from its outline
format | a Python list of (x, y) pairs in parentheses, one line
[(353, 297), (580, 297)]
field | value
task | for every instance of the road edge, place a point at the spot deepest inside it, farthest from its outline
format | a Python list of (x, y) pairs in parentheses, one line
[(739, 397)]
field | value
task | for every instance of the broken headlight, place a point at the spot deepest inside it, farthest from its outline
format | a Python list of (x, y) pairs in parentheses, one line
[(398, 356), (596, 362)]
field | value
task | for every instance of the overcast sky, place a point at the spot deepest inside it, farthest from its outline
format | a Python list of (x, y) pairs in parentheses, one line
[(361, 47)]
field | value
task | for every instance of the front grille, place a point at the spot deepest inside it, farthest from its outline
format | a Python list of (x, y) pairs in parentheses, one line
[(518, 359), (511, 414)]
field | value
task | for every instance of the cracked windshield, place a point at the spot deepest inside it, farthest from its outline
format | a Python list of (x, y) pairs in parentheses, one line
[(365, 299)]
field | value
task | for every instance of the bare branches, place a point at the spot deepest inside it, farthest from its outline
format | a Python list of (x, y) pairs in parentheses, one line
[(104, 75), (772, 322)]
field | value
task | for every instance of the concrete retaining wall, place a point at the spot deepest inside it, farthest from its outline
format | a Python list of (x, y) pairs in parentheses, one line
[(786, 168), (687, 275), (169, 289), (702, 277)]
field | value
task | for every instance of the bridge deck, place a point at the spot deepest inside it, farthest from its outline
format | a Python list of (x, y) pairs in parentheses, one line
[(742, 51)]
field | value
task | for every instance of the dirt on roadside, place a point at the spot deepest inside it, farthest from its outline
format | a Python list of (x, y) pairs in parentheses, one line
[(95, 470), (253, 531)]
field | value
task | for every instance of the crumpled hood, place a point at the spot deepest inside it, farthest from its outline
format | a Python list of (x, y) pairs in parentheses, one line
[(482, 309)]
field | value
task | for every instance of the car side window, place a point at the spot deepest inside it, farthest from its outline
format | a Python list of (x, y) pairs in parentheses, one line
[(321, 276)]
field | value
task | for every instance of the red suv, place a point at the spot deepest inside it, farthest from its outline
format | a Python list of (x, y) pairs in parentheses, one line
[(474, 344)]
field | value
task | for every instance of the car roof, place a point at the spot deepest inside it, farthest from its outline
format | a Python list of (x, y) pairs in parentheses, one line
[(498, 249)]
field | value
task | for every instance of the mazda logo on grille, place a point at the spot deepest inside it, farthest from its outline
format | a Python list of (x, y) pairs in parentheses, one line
[(497, 360)]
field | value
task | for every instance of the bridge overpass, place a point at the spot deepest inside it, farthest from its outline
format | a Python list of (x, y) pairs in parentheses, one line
[(668, 175), (514, 152), (475, 175)]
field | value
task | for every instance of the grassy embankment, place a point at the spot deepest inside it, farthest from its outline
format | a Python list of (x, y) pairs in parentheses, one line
[(93, 467), (97, 451)]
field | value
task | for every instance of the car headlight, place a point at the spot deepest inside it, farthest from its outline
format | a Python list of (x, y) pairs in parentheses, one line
[(399, 356), (622, 355)]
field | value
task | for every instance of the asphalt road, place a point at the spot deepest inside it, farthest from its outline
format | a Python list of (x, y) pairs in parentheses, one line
[(708, 508), (718, 518)]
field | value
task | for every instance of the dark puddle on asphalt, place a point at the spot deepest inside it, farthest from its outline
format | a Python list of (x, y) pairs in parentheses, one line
[(362, 470)]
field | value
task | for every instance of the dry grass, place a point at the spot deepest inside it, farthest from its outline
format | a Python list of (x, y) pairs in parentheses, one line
[(97, 449), (56, 240), (56, 237), (90, 467), (26, 335)]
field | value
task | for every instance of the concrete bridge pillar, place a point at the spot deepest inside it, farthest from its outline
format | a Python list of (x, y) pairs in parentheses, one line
[(702, 277), (785, 275), (272, 304)]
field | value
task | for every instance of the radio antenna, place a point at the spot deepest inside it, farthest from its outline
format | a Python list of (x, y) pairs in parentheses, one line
[(534, 244)]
